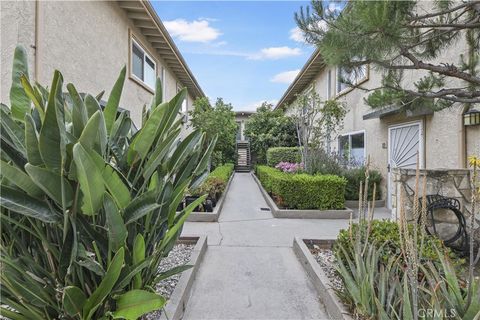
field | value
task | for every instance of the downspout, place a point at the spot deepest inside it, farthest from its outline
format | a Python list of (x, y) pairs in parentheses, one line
[(35, 56)]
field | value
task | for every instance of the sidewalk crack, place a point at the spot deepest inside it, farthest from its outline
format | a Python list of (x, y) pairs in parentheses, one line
[(220, 232)]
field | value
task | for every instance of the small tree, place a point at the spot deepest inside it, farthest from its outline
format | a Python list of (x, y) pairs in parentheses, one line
[(217, 120), (394, 37), (317, 123), (269, 128)]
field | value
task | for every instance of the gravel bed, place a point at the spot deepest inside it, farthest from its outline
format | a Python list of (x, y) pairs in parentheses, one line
[(179, 255), (326, 259)]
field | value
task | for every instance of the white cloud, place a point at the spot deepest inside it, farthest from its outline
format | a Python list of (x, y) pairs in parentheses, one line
[(276, 53), (192, 31), (254, 105), (296, 34), (285, 77)]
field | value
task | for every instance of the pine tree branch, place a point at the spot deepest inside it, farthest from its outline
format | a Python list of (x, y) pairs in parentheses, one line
[(449, 70), (443, 12)]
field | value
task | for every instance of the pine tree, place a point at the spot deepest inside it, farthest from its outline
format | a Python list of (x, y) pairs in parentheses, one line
[(396, 37)]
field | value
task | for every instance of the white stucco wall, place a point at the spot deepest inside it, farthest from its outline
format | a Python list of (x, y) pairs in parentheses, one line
[(88, 41)]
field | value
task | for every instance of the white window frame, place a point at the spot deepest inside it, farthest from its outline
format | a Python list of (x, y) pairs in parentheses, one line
[(184, 110), (350, 134), (145, 55), (356, 82)]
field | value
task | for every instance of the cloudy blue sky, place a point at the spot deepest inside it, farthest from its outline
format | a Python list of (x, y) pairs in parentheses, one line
[(244, 51)]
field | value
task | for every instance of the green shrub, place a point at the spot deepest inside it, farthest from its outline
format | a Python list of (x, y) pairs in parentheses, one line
[(88, 207), (283, 154), (386, 233), (216, 182), (354, 176), (303, 191)]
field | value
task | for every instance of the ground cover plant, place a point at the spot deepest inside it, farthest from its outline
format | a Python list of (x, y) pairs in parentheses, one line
[(393, 270), (88, 206), (303, 191)]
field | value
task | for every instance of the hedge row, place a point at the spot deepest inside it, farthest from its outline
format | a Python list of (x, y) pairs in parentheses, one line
[(223, 172), (283, 154), (303, 191)]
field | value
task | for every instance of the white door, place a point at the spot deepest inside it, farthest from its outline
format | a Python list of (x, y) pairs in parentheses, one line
[(405, 141)]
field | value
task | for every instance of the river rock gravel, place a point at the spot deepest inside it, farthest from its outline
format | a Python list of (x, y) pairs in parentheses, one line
[(179, 256), (326, 259)]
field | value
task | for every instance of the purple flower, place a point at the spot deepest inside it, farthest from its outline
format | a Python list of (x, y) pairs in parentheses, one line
[(290, 167)]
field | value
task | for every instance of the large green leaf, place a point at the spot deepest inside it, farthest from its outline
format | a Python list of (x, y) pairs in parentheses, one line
[(91, 104), (34, 95), (117, 232), (22, 203), (79, 111), (90, 178), (13, 131), (135, 303), (184, 149), (114, 100), (20, 179), (105, 287), (140, 206), (94, 135), (50, 139), (18, 98), (138, 256), (68, 252), (147, 135), (31, 142), (161, 150), (116, 187), (73, 301), (51, 183)]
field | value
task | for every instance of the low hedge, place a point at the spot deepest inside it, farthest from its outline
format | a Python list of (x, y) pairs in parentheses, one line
[(303, 191), (354, 176), (283, 154), (216, 182), (223, 172)]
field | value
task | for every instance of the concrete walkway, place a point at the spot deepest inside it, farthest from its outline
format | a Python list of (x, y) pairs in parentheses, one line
[(250, 270)]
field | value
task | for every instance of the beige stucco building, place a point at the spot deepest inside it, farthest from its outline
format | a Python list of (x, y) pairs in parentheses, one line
[(90, 42), (392, 137)]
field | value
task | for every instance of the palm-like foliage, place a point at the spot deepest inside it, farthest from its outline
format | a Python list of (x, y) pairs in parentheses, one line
[(88, 206)]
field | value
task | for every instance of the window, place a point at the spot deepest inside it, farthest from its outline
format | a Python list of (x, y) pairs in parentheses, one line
[(143, 66), (347, 78), (184, 103), (351, 148)]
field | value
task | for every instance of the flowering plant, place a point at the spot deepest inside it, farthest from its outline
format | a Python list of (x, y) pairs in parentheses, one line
[(290, 167)]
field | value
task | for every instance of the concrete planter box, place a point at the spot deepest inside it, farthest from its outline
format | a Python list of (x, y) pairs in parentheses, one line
[(177, 303), (332, 303), (211, 216), (354, 203), (302, 214)]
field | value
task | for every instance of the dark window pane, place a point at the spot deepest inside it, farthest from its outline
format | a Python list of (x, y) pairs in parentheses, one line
[(137, 61)]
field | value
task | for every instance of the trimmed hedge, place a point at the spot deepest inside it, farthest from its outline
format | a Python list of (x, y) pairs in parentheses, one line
[(303, 191), (223, 172), (354, 176), (216, 181), (283, 154)]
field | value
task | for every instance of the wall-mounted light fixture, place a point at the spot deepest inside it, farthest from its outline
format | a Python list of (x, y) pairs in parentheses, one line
[(471, 117)]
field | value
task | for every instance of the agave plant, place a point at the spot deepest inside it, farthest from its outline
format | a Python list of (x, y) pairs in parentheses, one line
[(88, 205)]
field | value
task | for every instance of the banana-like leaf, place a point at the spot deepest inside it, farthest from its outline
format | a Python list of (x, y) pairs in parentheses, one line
[(14, 131), (22, 203), (158, 155), (91, 104), (51, 183), (91, 180), (50, 139), (105, 287), (117, 232), (20, 179), (9, 314), (175, 270), (18, 98), (128, 273), (144, 140), (139, 210), (114, 100), (172, 232), (31, 142), (158, 96), (68, 253), (138, 257), (116, 187), (174, 106), (94, 135), (33, 95), (203, 164), (79, 111), (73, 301), (184, 149), (135, 303)]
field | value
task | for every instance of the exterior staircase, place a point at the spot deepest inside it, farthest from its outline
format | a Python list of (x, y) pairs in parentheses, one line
[(243, 156)]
